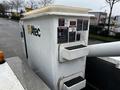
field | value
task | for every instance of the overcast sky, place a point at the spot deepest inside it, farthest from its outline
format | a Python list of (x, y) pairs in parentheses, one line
[(96, 5)]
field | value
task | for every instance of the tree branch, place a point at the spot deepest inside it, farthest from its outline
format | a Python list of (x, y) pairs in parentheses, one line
[(116, 1)]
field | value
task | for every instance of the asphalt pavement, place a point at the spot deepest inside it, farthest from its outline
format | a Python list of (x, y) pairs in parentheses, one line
[(10, 38)]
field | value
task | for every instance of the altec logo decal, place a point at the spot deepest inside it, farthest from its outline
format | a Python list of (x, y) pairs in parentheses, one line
[(33, 30)]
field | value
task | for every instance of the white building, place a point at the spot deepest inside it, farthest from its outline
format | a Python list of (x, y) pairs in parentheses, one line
[(99, 18)]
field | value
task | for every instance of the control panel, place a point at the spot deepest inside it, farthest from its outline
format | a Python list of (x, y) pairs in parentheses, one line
[(69, 30)]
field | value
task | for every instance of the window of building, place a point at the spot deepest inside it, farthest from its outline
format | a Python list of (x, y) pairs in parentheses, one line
[(72, 23), (78, 37), (61, 22), (85, 25), (79, 24)]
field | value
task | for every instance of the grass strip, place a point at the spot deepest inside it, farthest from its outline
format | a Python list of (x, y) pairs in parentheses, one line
[(103, 38)]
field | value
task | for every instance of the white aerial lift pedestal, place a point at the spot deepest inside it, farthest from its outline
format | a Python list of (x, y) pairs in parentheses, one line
[(56, 39)]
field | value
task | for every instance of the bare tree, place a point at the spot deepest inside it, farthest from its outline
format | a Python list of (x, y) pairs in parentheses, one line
[(32, 4), (11, 4), (4, 6), (45, 2), (111, 4), (2, 9), (16, 4)]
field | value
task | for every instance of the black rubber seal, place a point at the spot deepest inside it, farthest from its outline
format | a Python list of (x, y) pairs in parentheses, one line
[(73, 81), (75, 47)]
